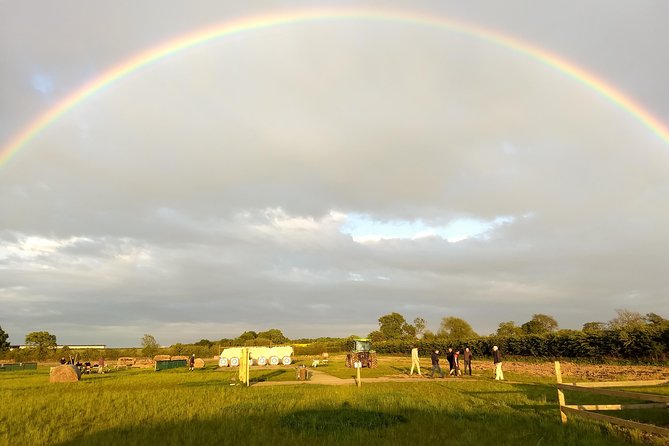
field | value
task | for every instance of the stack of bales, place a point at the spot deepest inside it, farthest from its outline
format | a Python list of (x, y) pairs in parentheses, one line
[(126, 361)]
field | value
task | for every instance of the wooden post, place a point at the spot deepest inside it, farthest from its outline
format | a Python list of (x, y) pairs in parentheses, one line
[(561, 401), (359, 382)]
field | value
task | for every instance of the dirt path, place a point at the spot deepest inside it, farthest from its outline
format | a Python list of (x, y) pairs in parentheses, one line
[(318, 377)]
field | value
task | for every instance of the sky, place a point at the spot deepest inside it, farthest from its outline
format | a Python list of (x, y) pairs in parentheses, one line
[(315, 175)]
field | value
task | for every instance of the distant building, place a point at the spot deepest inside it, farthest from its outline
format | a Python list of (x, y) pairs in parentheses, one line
[(70, 346)]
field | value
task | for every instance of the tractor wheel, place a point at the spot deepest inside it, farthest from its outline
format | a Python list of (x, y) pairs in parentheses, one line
[(234, 362), (223, 362), (286, 360), (273, 360), (373, 362), (262, 360), (349, 360)]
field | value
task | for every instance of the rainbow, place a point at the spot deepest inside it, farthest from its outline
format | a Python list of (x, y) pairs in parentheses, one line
[(249, 24)]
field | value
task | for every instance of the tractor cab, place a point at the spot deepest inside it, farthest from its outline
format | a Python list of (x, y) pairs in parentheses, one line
[(362, 345), (362, 352)]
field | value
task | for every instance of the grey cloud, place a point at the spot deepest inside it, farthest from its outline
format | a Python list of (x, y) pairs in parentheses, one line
[(202, 191)]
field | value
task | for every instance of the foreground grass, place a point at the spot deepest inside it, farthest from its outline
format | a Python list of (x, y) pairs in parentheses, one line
[(179, 407)]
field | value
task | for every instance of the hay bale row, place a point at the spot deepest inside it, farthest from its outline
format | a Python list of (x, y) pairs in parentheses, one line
[(161, 358), (64, 374), (126, 361), (179, 357), (144, 363)]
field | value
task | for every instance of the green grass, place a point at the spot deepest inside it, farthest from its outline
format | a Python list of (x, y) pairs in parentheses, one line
[(138, 407)]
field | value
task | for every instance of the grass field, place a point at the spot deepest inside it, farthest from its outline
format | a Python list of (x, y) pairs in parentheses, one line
[(202, 407)]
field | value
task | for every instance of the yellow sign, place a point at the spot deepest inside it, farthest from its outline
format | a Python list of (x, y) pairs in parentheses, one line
[(244, 366)]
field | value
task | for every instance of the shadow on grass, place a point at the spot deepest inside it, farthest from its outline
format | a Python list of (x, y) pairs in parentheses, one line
[(535, 408), (234, 430), (351, 425), (334, 420), (267, 376)]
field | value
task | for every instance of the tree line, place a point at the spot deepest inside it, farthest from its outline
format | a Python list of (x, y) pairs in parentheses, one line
[(629, 335)]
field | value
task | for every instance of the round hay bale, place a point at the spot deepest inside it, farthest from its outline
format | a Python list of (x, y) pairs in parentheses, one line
[(64, 374), (199, 363), (179, 357), (161, 358)]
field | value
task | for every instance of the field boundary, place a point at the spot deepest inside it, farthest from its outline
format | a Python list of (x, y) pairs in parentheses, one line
[(599, 388)]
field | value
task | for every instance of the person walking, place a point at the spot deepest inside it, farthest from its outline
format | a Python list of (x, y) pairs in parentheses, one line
[(191, 362), (415, 362), (435, 364), (468, 360), (497, 360), (456, 363)]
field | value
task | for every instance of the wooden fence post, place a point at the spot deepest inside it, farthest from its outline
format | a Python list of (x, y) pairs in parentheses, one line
[(561, 401)]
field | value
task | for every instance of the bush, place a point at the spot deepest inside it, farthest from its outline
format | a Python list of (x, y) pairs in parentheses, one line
[(640, 343)]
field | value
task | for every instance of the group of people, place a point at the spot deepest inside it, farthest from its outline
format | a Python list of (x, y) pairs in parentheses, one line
[(453, 358), (86, 367)]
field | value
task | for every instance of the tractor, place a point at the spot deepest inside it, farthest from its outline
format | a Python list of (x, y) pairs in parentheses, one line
[(362, 352)]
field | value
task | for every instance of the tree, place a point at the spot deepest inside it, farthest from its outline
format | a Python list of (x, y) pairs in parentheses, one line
[(258, 342), (204, 343), (626, 319), (4, 345), (42, 341), (420, 325), (149, 345), (376, 336), (455, 328), (591, 327), (540, 324), (409, 330), (394, 326), (274, 335), (428, 336), (509, 329), (247, 336), (655, 319)]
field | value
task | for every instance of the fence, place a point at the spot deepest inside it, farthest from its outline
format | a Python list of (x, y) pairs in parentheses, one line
[(583, 410), (167, 364), (19, 366)]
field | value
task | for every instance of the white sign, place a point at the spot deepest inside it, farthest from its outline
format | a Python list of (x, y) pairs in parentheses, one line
[(357, 365)]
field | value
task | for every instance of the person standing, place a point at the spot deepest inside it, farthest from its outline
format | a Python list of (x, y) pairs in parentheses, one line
[(497, 360), (450, 359), (192, 362), (468, 360), (435, 364), (101, 366), (456, 363), (415, 362)]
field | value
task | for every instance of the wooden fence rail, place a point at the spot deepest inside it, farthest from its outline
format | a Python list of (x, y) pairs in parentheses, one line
[(583, 410)]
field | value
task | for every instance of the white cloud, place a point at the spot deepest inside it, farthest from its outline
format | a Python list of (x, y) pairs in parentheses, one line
[(363, 228)]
